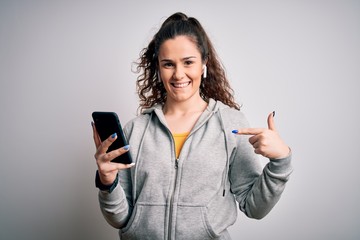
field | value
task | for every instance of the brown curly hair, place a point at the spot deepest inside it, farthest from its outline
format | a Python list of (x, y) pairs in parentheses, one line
[(151, 89)]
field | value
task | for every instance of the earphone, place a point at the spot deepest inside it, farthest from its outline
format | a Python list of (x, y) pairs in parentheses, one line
[(205, 71)]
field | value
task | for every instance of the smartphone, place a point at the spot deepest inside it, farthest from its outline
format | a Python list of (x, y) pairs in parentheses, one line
[(107, 123)]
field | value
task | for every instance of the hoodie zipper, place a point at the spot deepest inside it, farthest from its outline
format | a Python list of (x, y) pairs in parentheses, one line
[(172, 195)]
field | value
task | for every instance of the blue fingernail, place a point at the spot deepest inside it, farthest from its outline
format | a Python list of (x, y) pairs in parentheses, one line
[(114, 135), (126, 147), (235, 131), (273, 113)]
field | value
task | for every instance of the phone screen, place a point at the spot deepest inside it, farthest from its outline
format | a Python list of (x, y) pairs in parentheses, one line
[(107, 123)]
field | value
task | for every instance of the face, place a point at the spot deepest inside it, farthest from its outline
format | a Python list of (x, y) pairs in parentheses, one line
[(180, 68)]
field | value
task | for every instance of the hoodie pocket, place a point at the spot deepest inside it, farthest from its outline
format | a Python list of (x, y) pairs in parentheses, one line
[(192, 223), (146, 222)]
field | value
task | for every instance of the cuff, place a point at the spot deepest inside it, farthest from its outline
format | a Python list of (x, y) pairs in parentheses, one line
[(106, 188), (281, 165)]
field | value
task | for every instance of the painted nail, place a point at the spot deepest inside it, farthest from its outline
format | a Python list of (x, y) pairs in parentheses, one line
[(273, 113), (126, 147), (114, 135), (234, 131)]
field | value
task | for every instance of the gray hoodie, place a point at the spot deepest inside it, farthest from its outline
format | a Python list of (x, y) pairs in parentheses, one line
[(192, 197)]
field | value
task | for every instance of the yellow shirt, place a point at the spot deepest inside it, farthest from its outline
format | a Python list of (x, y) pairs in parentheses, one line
[(179, 139)]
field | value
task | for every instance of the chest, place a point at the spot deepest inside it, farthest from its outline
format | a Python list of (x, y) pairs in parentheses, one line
[(182, 123), (203, 148)]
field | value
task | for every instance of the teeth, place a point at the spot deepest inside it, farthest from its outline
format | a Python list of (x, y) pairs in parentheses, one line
[(180, 85)]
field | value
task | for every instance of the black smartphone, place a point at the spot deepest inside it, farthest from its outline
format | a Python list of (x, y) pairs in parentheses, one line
[(107, 123)]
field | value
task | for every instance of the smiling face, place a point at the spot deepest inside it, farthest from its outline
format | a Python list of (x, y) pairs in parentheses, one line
[(180, 68)]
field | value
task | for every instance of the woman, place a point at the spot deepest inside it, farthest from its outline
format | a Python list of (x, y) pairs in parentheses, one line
[(193, 156)]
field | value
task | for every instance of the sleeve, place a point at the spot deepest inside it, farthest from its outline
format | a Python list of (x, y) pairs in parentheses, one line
[(116, 206), (256, 190)]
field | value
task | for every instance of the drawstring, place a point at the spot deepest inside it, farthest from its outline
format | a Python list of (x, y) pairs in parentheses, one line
[(225, 174), (139, 157)]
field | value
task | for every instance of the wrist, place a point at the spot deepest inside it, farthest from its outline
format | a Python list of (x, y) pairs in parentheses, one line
[(107, 179), (105, 187), (284, 154)]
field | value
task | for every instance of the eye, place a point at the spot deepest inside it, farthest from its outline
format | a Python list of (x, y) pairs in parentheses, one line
[(168, 64), (188, 62)]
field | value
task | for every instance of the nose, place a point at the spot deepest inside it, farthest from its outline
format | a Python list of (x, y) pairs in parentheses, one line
[(179, 73)]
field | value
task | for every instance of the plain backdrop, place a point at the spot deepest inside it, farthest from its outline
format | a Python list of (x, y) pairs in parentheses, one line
[(61, 60)]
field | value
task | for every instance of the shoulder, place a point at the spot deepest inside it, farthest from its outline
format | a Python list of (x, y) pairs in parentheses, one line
[(141, 119), (233, 117), (136, 124), (230, 117)]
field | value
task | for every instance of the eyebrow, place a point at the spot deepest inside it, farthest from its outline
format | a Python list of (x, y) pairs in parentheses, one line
[(183, 59)]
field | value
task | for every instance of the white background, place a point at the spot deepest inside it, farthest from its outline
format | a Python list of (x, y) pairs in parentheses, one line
[(61, 60)]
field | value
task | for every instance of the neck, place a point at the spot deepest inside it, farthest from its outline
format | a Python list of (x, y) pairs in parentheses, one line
[(184, 107)]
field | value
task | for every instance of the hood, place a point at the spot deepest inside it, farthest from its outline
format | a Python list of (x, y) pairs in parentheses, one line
[(213, 106)]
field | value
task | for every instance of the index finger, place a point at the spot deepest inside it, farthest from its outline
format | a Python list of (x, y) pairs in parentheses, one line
[(96, 136), (248, 131), (104, 146)]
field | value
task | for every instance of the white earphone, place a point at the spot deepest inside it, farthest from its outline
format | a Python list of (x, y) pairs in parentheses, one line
[(205, 71)]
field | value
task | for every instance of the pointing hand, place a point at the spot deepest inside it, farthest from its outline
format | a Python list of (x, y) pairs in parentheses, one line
[(266, 141)]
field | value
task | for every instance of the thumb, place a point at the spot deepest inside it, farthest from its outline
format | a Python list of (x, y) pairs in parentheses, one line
[(270, 120)]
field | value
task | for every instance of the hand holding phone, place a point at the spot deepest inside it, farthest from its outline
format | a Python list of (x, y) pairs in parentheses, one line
[(107, 124)]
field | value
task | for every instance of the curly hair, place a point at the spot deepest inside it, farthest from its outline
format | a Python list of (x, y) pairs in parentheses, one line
[(150, 88)]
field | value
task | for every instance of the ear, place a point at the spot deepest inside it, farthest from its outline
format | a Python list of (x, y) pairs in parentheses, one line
[(158, 75)]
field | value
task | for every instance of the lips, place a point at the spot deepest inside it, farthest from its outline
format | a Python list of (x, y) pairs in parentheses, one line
[(180, 85)]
